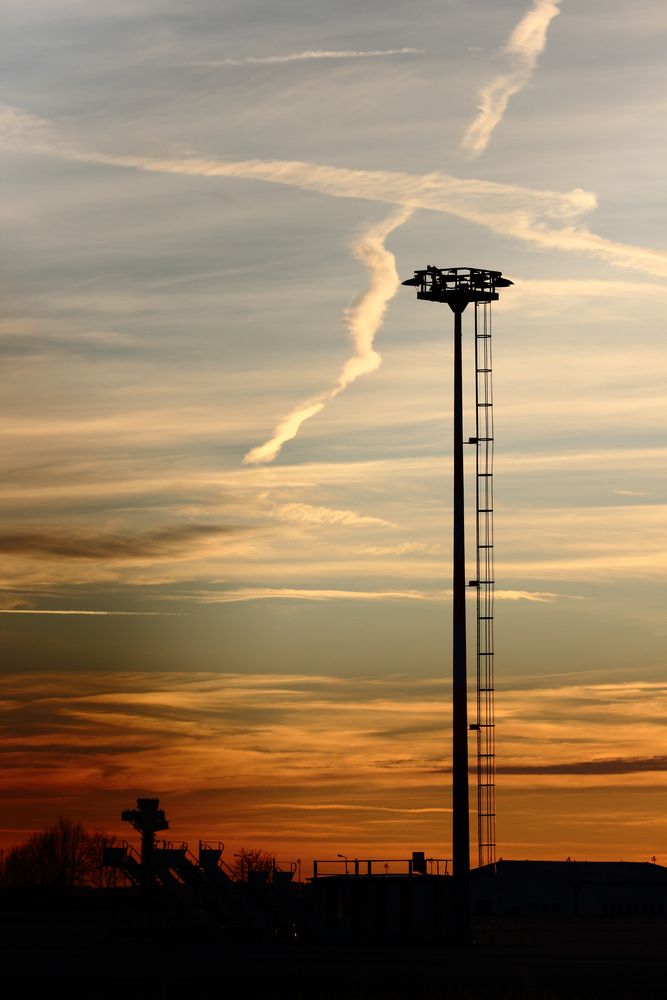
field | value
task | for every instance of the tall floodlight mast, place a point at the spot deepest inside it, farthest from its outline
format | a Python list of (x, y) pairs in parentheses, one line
[(458, 287)]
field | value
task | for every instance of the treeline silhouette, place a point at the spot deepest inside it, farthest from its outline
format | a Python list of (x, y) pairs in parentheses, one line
[(62, 856), (66, 856)]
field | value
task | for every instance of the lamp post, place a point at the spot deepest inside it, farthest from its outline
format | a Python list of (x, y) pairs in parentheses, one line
[(458, 287)]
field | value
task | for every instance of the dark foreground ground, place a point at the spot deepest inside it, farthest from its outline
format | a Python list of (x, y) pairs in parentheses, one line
[(80, 951)]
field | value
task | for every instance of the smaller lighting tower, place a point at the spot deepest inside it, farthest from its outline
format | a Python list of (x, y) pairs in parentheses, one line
[(458, 287), (148, 819)]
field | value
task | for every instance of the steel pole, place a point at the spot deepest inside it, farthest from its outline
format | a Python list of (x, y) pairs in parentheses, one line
[(460, 801)]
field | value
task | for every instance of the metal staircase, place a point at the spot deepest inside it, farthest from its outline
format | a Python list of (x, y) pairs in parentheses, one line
[(122, 857), (215, 897)]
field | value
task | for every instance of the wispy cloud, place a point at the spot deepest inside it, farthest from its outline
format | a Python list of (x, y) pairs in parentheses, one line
[(59, 543), (523, 49), (538, 596), (309, 54), (303, 513), (603, 458), (356, 807), (313, 594), (596, 296), (622, 540), (632, 493), (617, 765), (403, 549), (67, 736), (363, 320), (54, 330), (548, 219), (75, 611)]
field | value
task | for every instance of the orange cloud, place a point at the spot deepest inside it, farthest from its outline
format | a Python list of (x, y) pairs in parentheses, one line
[(301, 762)]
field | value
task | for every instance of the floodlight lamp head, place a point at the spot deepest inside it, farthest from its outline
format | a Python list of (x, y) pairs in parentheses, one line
[(458, 286)]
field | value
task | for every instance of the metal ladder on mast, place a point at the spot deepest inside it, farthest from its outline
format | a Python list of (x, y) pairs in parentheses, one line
[(485, 718)]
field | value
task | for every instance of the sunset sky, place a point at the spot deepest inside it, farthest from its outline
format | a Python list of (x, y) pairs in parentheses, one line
[(226, 473)]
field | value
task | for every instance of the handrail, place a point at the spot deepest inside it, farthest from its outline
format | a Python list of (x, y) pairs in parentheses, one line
[(204, 845), (280, 866), (123, 845), (364, 866)]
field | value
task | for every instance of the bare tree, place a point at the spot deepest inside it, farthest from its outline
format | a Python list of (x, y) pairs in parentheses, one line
[(64, 855), (253, 859)]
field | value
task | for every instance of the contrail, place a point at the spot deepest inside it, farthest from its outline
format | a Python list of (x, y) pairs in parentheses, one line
[(69, 611), (524, 46), (365, 317), (363, 321), (288, 428), (309, 54), (548, 219), (302, 594), (543, 218)]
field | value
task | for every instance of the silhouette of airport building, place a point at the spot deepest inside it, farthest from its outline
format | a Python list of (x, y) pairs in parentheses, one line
[(354, 900)]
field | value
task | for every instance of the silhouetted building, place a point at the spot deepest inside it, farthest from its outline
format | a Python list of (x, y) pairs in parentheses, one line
[(608, 889), (381, 908)]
